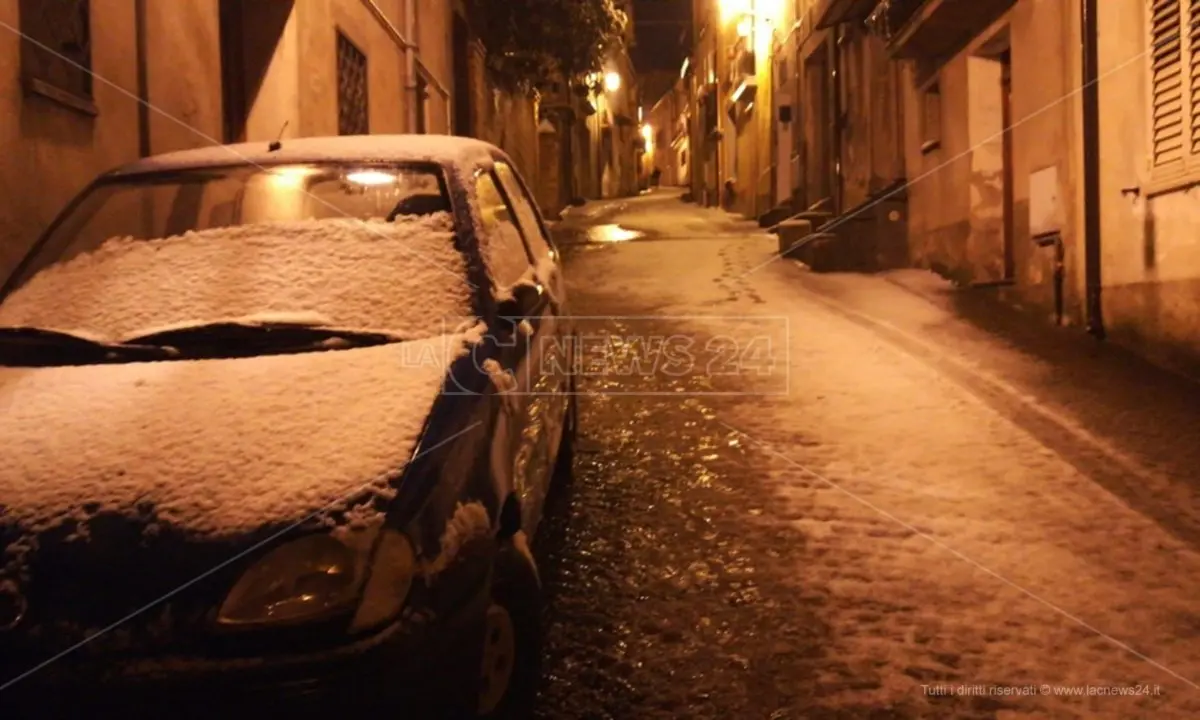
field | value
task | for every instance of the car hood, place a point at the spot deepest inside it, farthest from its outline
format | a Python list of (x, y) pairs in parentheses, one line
[(210, 449)]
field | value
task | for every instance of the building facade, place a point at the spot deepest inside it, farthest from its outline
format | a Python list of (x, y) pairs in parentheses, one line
[(96, 84), (588, 133), (1053, 158), (665, 137), (1149, 175), (735, 108), (1045, 151)]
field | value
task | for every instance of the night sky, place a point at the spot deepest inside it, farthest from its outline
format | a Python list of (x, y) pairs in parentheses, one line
[(659, 27)]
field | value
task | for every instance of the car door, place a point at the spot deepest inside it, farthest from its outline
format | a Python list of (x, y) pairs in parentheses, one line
[(519, 442), (550, 334)]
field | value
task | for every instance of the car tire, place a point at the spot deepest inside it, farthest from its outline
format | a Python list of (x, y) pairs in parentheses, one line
[(515, 607)]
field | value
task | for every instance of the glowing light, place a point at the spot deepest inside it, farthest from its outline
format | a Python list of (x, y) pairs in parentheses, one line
[(683, 70), (371, 178), (612, 81), (648, 135), (745, 26), (731, 9), (769, 10), (291, 177), (641, 114), (611, 234)]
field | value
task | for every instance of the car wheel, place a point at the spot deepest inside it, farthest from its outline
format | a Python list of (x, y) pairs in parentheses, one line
[(512, 643)]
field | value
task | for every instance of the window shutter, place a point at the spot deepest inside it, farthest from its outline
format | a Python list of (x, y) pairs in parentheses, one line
[(1167, 65), (1193, 41)]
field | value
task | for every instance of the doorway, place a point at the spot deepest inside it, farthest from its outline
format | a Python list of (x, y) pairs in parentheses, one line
[(232, 23), (782, 124), (250, 32), (990, 250), (818, 140)]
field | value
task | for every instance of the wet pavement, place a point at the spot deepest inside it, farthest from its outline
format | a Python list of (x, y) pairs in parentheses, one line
[(855, 542), (671, 578), (667, 598)]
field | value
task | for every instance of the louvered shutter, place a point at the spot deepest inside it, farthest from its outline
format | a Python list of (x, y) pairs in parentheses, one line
[(1193, 43), (1167, 81)]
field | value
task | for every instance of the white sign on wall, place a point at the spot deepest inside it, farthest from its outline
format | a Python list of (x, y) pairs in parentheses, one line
[(1045, 210)]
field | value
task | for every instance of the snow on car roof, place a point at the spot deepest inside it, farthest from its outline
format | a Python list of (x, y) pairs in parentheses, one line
[(441, 149)]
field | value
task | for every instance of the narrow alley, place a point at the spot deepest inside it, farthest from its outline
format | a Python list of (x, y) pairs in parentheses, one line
[(905, 511)]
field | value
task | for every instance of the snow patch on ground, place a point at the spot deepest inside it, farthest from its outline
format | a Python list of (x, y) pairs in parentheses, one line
[(947, 544), (405, 277)]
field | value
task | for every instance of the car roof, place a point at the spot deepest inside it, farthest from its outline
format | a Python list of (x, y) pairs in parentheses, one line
[(440, 149)]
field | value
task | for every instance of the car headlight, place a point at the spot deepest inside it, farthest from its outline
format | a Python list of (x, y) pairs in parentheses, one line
[(392, 570), (320, 575), (302, 580)]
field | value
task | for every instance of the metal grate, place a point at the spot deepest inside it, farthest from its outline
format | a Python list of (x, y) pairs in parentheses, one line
[(353, 105), (57, 50)]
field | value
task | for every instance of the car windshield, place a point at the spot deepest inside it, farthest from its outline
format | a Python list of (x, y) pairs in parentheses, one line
[(362, 246)]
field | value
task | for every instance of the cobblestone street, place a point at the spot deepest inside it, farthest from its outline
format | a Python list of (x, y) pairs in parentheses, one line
[(910, 515)]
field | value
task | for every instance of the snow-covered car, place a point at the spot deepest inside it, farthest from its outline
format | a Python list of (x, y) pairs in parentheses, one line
[(279, 421)]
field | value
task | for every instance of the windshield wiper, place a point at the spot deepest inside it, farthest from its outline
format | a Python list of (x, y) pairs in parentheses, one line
[(27, 345), (228, 338)]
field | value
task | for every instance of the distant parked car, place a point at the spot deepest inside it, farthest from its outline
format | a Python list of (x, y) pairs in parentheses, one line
[(278, 425)]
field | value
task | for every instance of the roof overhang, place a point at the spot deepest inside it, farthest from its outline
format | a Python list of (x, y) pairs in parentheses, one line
[(835, 12), (940, 28)]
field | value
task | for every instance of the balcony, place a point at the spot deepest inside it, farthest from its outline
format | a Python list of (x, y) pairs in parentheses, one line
[(935, 29), (743, 78)]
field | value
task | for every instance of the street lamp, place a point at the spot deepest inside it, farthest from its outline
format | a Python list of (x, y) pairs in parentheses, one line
[(612, 81), (648, 136), (734, 9)]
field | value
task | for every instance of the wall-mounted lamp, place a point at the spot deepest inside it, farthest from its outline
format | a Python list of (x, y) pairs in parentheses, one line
[(612, 81)]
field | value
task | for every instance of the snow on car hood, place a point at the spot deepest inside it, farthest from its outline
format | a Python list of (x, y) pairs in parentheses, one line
[(214, 448), (405, 277)]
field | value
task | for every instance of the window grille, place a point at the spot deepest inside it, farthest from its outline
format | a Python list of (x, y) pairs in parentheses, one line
[(353, 105)]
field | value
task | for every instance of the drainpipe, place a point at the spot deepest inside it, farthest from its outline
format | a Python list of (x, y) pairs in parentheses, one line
[(409, 48), (143, 77), (1091, 164), (835, 50), (410, 62)]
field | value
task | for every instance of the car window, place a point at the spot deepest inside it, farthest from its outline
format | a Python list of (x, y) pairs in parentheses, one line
[(163, 205), (526, 214), (141, 252), (503, 249)]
